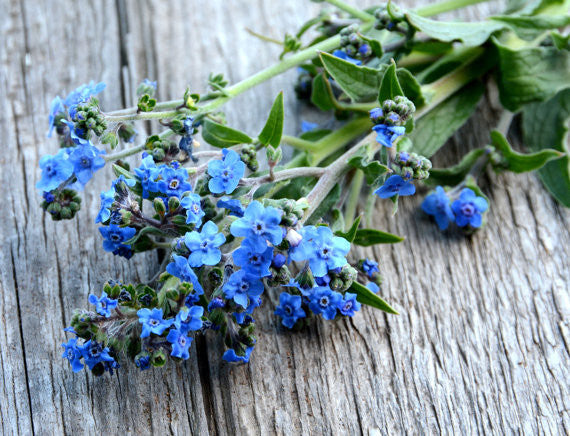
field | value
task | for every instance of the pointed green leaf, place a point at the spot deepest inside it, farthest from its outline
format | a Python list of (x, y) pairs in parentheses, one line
[(368, 237), (561, 42), (273, 129), (144, 231), (222, 136), (454, 175), (530, 27), (351, 233), (390, 86), (375, 45), (372, 170), (120, 171), (320, 95), (366, 296)]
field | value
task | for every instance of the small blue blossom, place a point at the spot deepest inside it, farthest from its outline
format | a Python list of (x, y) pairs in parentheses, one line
[(93, 353), (243, 317), (278, 260), (241, 286), (189, 319), (437, 204), (231, 356), (468, 209), (233, 205), (342, 55), (325, 302), (73, 353), (84, 93), (107, 200), (187, 139), (152, 322), (103, 305), (373, 287), (194, 212), (115, 236), (322, 249), (86, 159), (148, 82), (55, 170), (180, 343), (203, 246), (48, 197), (143, 362), (75, 133), (147, 173), (56, 108), (254, 263), (216, 303), (395, 185), (348, 305), (181, 269), (259, 224), (225, 173), (173, 182), (376, 114), (370, 267), (307, 126), (289, 309), (386, 135)]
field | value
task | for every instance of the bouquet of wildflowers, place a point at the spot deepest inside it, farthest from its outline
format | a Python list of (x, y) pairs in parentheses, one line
[(231, 231)]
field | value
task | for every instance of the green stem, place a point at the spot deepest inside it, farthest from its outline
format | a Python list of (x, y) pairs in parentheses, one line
[(124, 153), (355, 12), (446, 6), (298, 143), (353, 198), (143, 116), (339, 138)]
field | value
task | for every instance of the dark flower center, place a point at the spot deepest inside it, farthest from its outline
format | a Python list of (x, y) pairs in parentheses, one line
[(153, 322), (174, 184), (85, 162), (288, 310), (468, 209), (115, 237), (324, 301), (50, 169), (182, 340)]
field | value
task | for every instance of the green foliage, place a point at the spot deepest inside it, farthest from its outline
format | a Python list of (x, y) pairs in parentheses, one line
[(373, 170), (531, 27), (351, 233), (146, 103), (546, 125), (531, 74), (368, 237), (326, 205), (390, 85), (366, 296), (222, 136), (273, 129), (320, 95), (456, 174)]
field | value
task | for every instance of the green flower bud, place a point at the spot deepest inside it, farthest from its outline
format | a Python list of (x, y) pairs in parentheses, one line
[(159, 207), (158, 358), (173, 204)]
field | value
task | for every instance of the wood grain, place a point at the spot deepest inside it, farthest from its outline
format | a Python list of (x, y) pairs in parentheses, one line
[(482, 342)]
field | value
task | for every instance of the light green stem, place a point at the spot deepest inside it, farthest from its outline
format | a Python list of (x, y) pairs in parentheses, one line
[(353, 198), (446, 6), (355, 12), (143, 116), (124, 153)]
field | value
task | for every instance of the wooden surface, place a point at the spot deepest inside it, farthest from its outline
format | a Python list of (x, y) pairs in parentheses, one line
[(482, 342)]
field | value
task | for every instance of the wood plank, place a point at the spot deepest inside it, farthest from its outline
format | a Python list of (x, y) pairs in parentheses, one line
[(481, 344)]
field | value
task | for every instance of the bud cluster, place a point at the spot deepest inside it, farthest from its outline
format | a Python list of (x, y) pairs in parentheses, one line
[(353, 44), (393, 112), (411, 165), (61, 204), (248, 155), (88, 117)]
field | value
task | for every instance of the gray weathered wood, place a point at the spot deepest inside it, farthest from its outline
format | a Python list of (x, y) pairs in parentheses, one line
[(481, 345)]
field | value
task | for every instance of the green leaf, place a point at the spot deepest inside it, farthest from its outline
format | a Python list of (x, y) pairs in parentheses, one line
[(531, 74), (320, 95), (372, 169), (368, 237), (471, 34), (358, 82), (120, 171), (375, 45), (351, 233), (520, 162), (410, 86), (327, 204), (337, 221), (546, 125), (561, 42), (454, 175), (366, 296), (390, 86), (529, 28), (315, 135), (273, 129), (222, 136), (434, 129), (142, 232)]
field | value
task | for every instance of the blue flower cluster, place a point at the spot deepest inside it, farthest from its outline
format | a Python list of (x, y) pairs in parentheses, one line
[(93, 353), (466, 210)]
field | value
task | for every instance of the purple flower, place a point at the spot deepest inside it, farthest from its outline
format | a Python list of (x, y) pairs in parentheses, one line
[(468, 209), (342, 55), (189, 319), (72, 353), (437, 205), (56, 108), (231, 356), (253, 262), (84, 93), (86, 159), (370, 267), (289, 309), (173, 182), (115, 236), (194, 212), (93, 353), (233, 205), (395, 185), (225, 173)]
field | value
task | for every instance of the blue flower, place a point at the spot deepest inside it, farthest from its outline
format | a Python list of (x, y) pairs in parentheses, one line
[(56, 108), (148, 82), (468, 209), (325, 302), (75, 133), (289, 309), (181, 269), (216, 303), (373, 287), (259, 225), (225, 173), (231, 356), (233, 205), (173, 182), (370, 267), (203, 246), (194, 212), (143, 362), (180, 343), (86, 159), (348, 305), (189, 319), (152, 322), (342, 55), (376, 114), (115, 236), (322, 249), (254, 263), (307, 126), (147, 173), (386, 135), (395, 185), (437, 204), (84, 93), (72, 353), (93, 353), (187, 138), (55, 170), (103, 305), (107, 200), (240, 286)]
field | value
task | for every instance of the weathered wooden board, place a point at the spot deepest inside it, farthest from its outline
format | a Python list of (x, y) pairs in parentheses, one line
[(482, 342)]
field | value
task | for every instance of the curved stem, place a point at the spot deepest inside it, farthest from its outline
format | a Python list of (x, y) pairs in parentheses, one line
[(355, 12), (284, 175), (124, 153)]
